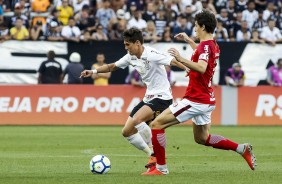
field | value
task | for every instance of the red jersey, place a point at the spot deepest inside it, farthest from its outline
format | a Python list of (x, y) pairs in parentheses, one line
[(199, 89)]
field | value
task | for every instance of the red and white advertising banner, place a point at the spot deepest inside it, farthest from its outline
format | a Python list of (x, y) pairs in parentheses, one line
[(75, 104), (260, 105)]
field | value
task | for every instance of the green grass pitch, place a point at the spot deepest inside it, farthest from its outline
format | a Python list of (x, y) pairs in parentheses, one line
[(61, 154)]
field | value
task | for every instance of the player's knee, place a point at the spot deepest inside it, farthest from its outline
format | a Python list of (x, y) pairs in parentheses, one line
[(155, 125), (125, 132)]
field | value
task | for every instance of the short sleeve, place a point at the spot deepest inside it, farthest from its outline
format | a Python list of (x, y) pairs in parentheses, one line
[(123, 62), (204, 52), (161, 58)]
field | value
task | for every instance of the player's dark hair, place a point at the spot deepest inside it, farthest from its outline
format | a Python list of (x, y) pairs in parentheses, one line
[(132, 35), (51, 55), (208, 19), (279, 61)]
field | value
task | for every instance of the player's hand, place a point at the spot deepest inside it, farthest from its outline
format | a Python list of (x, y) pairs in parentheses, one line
[(182, 36), (86, 73), (173, 52)]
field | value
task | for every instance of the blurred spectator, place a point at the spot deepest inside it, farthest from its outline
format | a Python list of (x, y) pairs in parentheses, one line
[(5, 5), (223, 17), (131, 7), (18, 14), (167, 35), (137, 21), (25, 6), (182, 27), (54, 32), (220, 4), (105, 14), (99, 35), (78, 4), (84, 21), (19, 32), (189, 17), (270, 33), (235, 26), (279, 18), (197, 5), (170, 75), (50, 71), (255, 37), (73, 69), (260, 22), (221, 33), (161, 21), (138, 3), (269, 11), (172, 11), (150, 34), (261, 4), (101, 79), (71, 32), (209, 6), (134, 79), (66, 12), (243, 34), (241, 5), (231, 10), (39, 6), (274, 74), (149, 14), (4, 31), (36, 32), (235, 76), (250, 15), (121, 20), (117, 31), (54, 17)]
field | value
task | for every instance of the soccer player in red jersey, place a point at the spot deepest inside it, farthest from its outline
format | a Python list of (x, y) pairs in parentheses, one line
[(198, 101)]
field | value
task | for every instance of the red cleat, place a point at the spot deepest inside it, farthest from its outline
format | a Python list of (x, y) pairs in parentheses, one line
[(154, 172), (151, 162), (249, 156)]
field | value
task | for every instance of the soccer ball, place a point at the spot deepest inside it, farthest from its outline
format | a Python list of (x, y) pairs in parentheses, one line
[(100, 164)]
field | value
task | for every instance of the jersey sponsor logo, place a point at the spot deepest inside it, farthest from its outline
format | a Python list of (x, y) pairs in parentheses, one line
[(133, 58), (204, 56)]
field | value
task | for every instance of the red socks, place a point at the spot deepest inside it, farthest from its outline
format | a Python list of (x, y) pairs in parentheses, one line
[(220, 142), (159, 143)]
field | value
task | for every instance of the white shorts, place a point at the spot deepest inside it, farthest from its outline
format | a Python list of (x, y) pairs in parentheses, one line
[(185, 110)]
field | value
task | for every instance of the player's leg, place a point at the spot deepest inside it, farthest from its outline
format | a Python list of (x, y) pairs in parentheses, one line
[(201, 127), (158, 106), (164, 120), (141, 113)]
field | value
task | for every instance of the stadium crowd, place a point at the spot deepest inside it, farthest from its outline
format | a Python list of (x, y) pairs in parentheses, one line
[(86, 20)]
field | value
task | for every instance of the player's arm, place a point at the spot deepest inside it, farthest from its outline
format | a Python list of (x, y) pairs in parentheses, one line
[(174, 62), (200, 66), (102, 69), (183, 36), (104, 75)]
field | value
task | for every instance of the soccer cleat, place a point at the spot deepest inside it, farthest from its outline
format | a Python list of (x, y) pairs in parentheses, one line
[(155, 172), (249, 156), (151, 162)]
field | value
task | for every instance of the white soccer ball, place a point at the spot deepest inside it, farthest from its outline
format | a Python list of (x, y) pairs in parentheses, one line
[(100, 164)]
